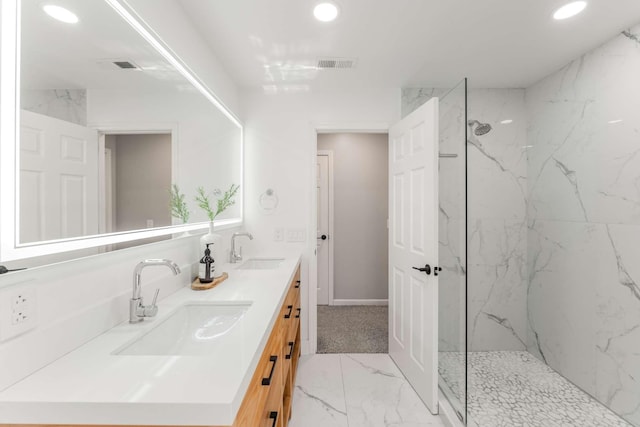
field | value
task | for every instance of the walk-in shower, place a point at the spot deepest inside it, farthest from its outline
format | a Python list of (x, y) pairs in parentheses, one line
[(527, 335)]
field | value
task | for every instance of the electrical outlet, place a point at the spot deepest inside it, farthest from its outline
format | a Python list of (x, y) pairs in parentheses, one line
[(18, 310), (278, 234)]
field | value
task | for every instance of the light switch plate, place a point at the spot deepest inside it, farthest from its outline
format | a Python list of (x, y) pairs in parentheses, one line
[(296, 235), (18, 311)]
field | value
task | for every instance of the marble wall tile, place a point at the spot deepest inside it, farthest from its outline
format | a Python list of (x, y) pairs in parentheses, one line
[(412, 98), (617, 338), (564, 271), (64, 104), (584, 222)]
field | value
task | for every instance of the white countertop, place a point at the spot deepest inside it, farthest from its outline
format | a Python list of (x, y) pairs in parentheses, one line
[(91, 385)]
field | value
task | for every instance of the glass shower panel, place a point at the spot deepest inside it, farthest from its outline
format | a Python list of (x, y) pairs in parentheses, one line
[(452, 365)]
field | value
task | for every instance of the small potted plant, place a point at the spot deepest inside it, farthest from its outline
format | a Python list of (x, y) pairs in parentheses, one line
[(223, 202), (179, 208)]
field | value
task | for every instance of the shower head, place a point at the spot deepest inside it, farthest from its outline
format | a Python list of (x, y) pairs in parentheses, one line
[(481, 129)]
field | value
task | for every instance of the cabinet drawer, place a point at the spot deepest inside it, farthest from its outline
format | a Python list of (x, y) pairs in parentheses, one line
[(268, 375)]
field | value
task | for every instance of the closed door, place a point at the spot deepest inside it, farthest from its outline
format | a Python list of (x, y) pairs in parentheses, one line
[(59, 195), (322, 191), (413, 245)]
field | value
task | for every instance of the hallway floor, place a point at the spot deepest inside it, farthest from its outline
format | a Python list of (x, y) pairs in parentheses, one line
[(353, 329), (513, 389), (356, 390)]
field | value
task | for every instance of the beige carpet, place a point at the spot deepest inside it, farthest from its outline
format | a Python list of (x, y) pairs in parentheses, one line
[(353, 329)]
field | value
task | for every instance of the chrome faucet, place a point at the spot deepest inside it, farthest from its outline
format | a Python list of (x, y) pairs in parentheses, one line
[(137, 310), (237, 256)]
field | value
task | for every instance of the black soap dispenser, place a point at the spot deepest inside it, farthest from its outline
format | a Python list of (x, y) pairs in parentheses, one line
[(206, 266)]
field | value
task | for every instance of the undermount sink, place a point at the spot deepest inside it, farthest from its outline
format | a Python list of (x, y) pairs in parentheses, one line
[(194, 329), (261, 264)]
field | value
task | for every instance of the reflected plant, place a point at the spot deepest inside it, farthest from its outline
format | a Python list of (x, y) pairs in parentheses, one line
[(179, 208), (224, 202)]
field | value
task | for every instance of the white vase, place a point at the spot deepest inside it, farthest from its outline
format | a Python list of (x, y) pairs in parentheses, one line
[(214, 241)]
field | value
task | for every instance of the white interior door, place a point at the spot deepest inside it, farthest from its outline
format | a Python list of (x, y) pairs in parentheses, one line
[(413, 242), (58, 179), (322, 191)]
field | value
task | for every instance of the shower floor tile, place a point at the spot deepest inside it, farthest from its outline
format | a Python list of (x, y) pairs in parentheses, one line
[(513, 389)]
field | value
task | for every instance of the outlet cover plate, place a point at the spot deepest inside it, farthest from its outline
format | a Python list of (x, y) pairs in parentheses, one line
[(18, 311)]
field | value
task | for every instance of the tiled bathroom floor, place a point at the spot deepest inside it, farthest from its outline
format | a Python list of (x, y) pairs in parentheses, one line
[(514, 389), (356, 390)]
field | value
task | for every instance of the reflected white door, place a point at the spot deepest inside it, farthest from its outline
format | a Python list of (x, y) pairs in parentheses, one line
[(58, 179), (413, 242), (322, 191)]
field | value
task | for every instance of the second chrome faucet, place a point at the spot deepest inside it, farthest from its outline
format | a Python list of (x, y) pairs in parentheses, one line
[(236, 256)]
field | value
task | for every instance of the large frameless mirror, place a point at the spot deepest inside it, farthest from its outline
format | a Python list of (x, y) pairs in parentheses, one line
[(108, 123)]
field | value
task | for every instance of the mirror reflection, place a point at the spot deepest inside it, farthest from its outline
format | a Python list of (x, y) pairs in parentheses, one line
[(107, 126)]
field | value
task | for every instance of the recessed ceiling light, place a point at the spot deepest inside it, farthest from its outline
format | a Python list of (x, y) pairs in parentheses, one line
[(569, 10), (325, 12), (60, 13), (506, 122)]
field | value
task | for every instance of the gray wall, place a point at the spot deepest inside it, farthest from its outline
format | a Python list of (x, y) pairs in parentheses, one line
[(360, 214), (143, 180)]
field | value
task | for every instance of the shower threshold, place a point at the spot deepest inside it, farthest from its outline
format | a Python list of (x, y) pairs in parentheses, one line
[(513, 389)]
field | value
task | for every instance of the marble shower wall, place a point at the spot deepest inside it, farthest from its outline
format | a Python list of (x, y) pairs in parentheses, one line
[(584, 222), (65, 104), (497, 165)]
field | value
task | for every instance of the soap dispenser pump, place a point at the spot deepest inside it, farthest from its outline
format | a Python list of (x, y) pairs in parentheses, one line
[(206, 266)]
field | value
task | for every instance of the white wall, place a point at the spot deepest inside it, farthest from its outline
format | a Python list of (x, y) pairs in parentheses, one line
[(361, 206), (280, 154)]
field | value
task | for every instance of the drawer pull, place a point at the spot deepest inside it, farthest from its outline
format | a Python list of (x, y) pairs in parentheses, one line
[(288, 356), (298, 315), (274, 416), (267, 381), (288, 315), (297, 284)]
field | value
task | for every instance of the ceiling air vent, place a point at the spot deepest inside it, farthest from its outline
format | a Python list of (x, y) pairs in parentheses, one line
[(125, 65), (336, 63)]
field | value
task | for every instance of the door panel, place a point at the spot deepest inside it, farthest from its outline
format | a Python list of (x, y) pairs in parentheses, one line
[(59, 165), (413, 331), (322, 195)]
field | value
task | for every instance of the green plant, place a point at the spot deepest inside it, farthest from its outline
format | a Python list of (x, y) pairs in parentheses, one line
[(179, 208), (226, 201)]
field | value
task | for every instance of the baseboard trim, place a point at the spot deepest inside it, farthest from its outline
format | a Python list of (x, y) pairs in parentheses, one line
[(360, 302)]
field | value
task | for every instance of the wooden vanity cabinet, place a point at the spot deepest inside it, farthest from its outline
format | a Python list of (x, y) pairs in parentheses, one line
[(267, 402)]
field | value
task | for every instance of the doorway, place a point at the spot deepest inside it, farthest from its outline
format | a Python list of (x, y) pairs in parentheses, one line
[(352, 242), (137, 179)]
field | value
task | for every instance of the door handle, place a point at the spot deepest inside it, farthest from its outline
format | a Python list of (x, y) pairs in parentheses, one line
[(323, 237), (426, 269)]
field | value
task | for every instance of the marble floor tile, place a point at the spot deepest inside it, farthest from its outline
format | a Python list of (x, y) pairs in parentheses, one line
[(378, 395), (356, 390), (318, 398)]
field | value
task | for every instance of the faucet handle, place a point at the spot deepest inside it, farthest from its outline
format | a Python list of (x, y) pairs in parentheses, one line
[(151, 310), (155, 298)]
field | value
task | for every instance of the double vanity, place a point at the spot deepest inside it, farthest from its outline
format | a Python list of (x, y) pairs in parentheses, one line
[(221, 357)]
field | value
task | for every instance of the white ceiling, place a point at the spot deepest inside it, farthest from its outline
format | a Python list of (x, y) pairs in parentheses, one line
[(275, 44)]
